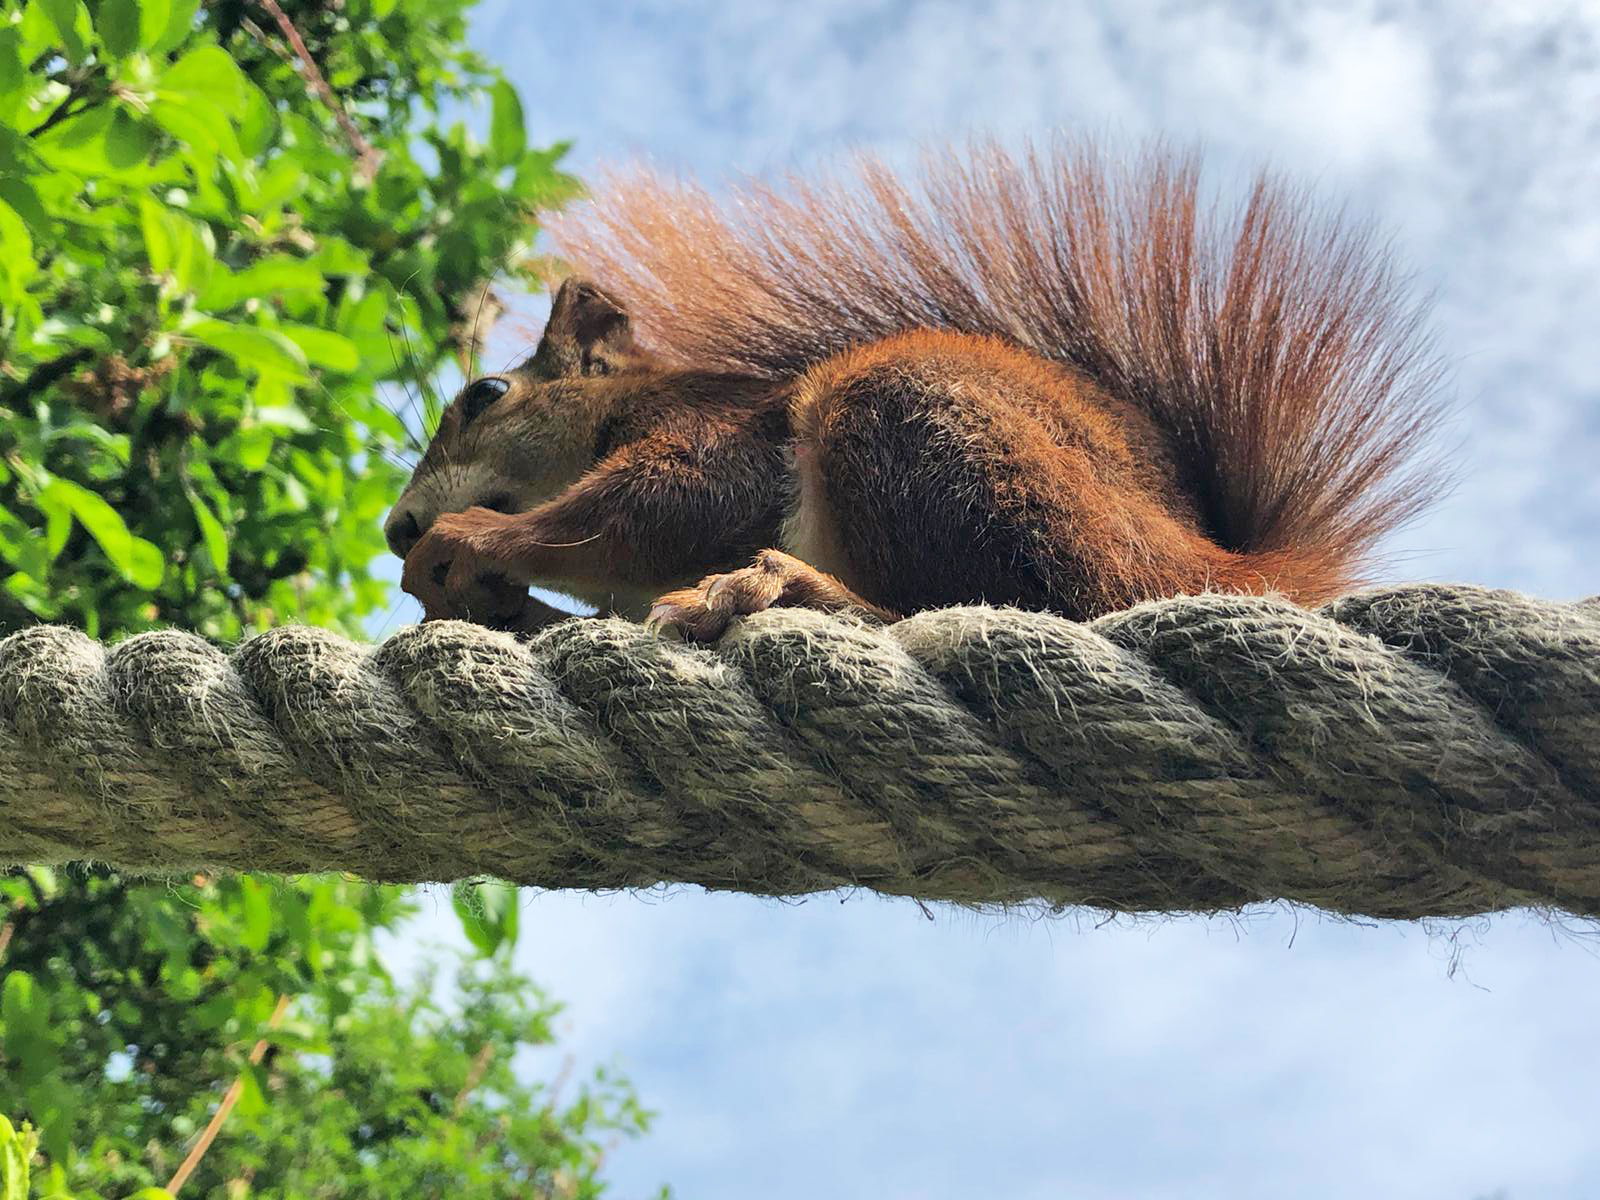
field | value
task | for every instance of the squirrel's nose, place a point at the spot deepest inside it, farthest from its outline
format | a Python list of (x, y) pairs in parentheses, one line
[(402, 531)]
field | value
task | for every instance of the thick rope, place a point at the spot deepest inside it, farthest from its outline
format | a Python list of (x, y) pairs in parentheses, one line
[(1421, 751)]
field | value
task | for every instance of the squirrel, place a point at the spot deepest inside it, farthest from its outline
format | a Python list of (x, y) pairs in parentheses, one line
[(1045, 380)]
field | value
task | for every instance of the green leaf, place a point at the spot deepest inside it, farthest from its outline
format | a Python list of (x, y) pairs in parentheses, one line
[(211, 532), (256, 909), (488, 914), (193, 251), (17, 263), (148, 566), (63, 15), (57, 528), (180, 25), (19, 193), (281, 181), (102, 521), (129, 140), (11, 73), (208, 77), (262, 350), (251, 448), (16, 1149), (157, 236), (322, 347), (196, 124), (280, 273), (24, 1010), (155, 17), (119, 25), (508, 135), (198, 99), (78, 143), (258, 124), (252, 1091), (335, 256)]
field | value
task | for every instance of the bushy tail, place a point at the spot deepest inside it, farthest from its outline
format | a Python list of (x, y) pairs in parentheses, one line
[(1275, 342)]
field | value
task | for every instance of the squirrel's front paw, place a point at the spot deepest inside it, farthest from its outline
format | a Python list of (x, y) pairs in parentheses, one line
[(451, 571), (702, 613)]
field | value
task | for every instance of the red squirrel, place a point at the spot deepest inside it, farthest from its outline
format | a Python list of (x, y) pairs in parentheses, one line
[(1042, 380)]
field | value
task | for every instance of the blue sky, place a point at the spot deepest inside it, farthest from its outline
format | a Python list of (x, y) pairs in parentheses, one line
[(859, 1049)]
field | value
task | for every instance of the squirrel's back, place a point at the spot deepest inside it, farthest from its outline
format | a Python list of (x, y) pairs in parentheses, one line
[(1275, 345)]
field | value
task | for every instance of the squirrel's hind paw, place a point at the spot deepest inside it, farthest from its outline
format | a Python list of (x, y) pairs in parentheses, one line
[(702, 613)]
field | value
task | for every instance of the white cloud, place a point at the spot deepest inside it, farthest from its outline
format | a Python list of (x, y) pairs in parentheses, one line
[(859, 1049)]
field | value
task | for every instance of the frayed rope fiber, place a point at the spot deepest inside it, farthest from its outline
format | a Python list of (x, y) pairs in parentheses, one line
[(1414, 752)]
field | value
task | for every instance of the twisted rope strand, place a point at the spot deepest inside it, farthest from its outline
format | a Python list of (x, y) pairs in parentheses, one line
[(1419, 751)]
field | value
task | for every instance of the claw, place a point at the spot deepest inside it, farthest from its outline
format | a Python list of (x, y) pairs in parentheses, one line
[(703, 613), (661, 617), (775, 580)]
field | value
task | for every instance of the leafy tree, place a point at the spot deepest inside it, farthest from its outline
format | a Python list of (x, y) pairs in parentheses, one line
[(207, 270), (131, 1013), (227, 232)]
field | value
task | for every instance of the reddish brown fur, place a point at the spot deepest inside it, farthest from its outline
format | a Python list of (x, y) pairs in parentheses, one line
[(1031, 487), (687, 475), (1274, 346), (1042, 381)]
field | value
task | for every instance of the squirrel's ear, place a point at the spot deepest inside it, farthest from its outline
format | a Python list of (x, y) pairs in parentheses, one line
[(588, 333)]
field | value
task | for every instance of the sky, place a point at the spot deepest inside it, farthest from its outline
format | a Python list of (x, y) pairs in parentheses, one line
[(858, 1048)]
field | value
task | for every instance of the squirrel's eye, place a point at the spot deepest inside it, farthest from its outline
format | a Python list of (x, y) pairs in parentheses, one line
[(479, 395)]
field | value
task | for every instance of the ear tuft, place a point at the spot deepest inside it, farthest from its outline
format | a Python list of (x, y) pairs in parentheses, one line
[(588, 333)]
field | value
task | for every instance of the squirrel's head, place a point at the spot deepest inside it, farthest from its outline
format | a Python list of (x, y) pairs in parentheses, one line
[(512, 441)]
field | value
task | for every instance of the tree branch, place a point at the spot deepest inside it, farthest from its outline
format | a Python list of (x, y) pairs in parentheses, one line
[(475, 1074), (57, 115), (367, 157), (46, 373), (78, 81), (229, 1099)]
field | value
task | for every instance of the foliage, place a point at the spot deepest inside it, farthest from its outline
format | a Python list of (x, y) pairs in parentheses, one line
[(17, 1148), (127, 1012), (209, 277), (201, 290)]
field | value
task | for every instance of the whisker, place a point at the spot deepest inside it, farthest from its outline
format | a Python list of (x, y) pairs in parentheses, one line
[(431, 406), (343, 407), (410, 360), (432, 410), (566, 545), (523, 356), (394, 611), (405, 387), (471, 353)]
